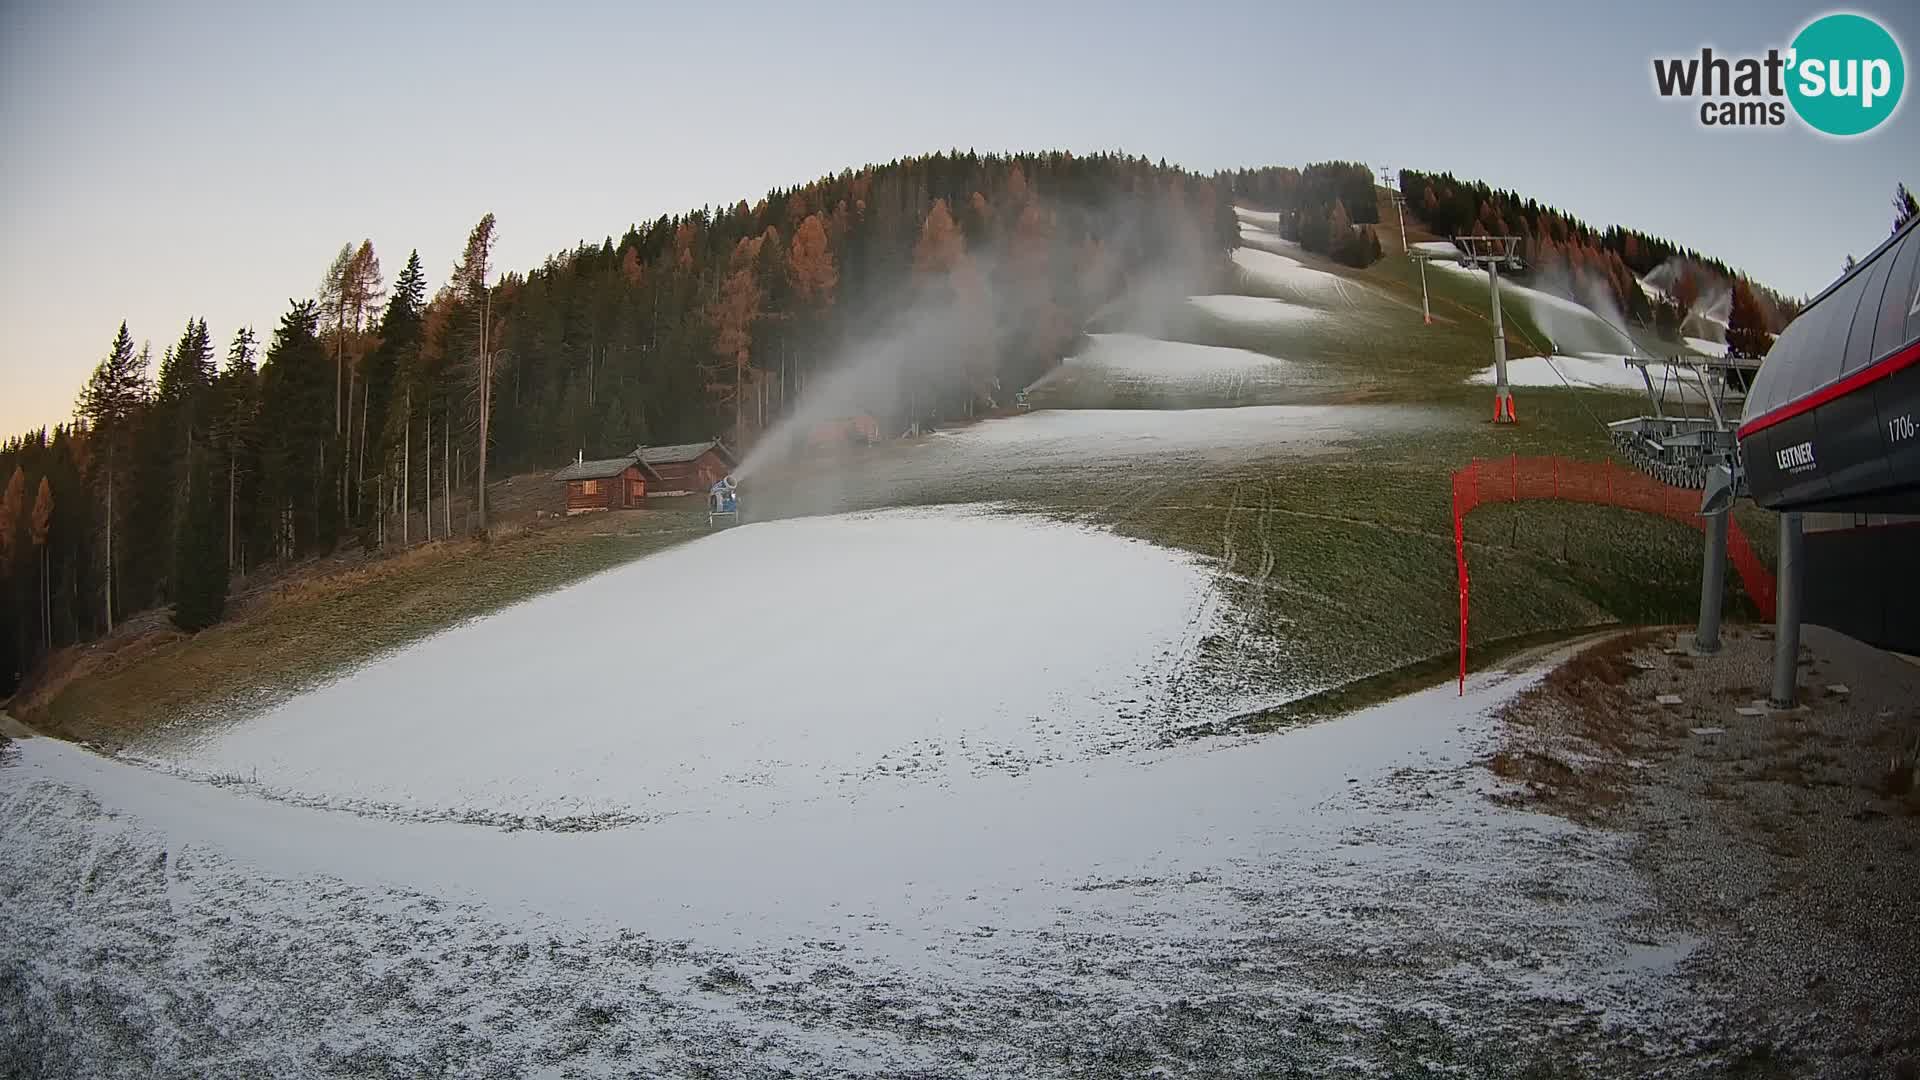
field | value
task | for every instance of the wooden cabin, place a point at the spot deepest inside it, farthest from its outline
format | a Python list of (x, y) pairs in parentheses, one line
[(686, 468), (606, 484)]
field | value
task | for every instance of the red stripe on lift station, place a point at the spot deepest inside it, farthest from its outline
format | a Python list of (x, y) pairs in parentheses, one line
[(1868, 375)]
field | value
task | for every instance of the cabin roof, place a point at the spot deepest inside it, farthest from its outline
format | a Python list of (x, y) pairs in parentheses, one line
[(601, 468), (682, 452)]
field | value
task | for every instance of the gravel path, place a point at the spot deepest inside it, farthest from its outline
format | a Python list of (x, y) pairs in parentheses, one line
[(1789, 841)]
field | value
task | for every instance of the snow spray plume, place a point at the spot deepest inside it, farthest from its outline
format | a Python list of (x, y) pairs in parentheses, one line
[(1708, 314), (1601, 328), (941, 335)]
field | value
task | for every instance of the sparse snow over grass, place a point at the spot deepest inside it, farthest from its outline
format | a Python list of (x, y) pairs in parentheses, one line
[(1255, 310), (919, 645), (1265, 220), (1582, 372), (1268, 270), (1122, 368), (1068, 440), (1582, 328)]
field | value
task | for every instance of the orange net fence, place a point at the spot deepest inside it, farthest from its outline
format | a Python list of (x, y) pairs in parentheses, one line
[(1514, 479)]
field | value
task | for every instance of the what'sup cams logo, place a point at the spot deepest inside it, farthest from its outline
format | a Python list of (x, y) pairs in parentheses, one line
[(1842, 75)]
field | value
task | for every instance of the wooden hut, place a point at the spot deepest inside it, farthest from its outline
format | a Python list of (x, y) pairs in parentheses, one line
[(606, 484), (686, 468)]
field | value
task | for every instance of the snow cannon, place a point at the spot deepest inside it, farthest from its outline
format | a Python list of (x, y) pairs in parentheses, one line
[(723, 501)]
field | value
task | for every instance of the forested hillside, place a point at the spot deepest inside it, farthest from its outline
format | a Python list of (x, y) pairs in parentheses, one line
[(1600, 266), (371, 396), (1328, 208)]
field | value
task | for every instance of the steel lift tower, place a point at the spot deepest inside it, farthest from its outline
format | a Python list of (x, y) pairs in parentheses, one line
[(1399, 209), (1492, 252)]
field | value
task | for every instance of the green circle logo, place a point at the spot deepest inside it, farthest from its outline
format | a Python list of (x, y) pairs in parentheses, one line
[(1847, 74)]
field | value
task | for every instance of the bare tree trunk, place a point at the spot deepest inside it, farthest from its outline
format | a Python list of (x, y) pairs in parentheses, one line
[(739, 400), (406, 475), (109, 537), (486, 409), (233, 466), (446, 477), (360, 457), (426, 471)]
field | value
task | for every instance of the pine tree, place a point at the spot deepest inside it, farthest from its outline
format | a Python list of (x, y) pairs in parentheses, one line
[(174, 439), (200, 594), (389, 367), (110, 404), (296, 428), (235, 439), (13, 546), (468, 345), (1905, 206)]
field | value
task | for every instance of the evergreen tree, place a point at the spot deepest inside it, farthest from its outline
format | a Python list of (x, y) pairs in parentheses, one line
[(235, 442), (387, 368), (1905, 206), (470, 354), (200, 595), (14, 646), (173, 439), (110, 405), (296, 424)]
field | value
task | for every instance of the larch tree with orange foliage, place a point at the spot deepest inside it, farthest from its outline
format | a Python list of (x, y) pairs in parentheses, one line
[(814, 279), (1747, 334), (41, 526), (732, 315), (951, 283)]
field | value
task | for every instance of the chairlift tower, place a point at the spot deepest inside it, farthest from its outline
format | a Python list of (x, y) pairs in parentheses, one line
[(1406, 248), (1494, 252), (1398, 203)]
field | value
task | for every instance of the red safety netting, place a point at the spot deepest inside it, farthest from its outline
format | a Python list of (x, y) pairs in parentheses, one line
[(1514, 479)]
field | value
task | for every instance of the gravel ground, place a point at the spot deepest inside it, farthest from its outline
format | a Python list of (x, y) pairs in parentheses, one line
[(1788, 841)]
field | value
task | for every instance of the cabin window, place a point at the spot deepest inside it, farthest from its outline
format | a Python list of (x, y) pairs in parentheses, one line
[(589, 487)]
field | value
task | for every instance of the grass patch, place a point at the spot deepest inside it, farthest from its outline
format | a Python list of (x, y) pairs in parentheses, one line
[(1372, 690), (311, 630)]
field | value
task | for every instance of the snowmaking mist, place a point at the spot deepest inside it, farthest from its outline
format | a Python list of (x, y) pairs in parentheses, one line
[(1707, 316), (1579, 315), (924, 338)]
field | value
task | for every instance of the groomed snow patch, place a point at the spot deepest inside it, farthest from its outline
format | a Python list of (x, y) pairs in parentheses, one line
[(1255, 310), (1272, 270), (1583, 372), (764, 665)]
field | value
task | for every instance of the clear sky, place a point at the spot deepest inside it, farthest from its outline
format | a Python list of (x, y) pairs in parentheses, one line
[(165, 161)]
